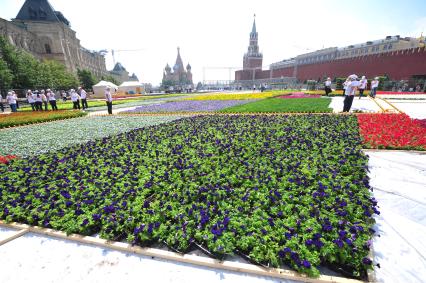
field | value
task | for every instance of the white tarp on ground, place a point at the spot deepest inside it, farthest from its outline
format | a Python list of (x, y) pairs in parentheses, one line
[(131, 87), (399, 182), (99, 88), (414, 109)]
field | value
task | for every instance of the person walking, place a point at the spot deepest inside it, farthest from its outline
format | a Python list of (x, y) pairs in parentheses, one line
[(327, 86), (374, 86), (75, 98), (38, 101), (362, 86), (44, 99), (31, 100), (1, 103), (351, 88), (108, 99), (52, 100), (83, 96), (11, 100)]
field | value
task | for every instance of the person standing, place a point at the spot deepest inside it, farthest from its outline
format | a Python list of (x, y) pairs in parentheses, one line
[(374, 86), (83, 96), (31, 100), (75, 98), (64, 96), (44, 99), (1, 103), (351, 88), (362, 86), (38, 101), (52, 100), (11, 100), (108, 99), (327, 86)]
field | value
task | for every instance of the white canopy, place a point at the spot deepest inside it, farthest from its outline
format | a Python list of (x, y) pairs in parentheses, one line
[(131, 87), (99, 88)]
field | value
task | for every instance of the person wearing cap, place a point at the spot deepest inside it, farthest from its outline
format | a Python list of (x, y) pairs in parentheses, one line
[(11, 100), (108, 99), (1, 103), (327, 86), (83, 96), (38, 101), (31, 100), (374, 86), (351, 88), (44, 99), (362, 86), (75, 98), (52, 99)]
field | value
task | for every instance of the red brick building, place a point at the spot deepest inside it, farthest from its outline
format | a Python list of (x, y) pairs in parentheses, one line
[(398, 58)]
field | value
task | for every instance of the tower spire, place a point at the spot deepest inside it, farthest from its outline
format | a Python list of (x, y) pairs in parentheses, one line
[(253, 30)]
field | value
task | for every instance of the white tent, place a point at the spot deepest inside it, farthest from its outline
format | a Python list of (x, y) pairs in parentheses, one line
[(131, 87), (99, 88)]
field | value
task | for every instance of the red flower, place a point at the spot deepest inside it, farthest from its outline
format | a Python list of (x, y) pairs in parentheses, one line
[(392, 131)]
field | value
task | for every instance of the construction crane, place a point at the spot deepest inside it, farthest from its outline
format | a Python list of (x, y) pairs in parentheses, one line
[(113, 51)]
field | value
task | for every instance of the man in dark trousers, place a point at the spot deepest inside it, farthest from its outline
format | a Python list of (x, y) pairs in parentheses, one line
[(108, 99), (351, 88)]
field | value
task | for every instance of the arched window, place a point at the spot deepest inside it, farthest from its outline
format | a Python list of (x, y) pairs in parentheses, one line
[(48, 50)]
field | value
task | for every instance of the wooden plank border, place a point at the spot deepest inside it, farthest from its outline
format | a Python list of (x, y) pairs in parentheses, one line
[(14, 236), (186, 258)]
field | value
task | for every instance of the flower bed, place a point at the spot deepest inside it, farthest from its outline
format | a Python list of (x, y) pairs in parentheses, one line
[(398, 93), (235, 96), (188, 106), (296, 105), (281, 189), (392, 131), (299, 95), (25, 118), (6, 159), (37, 139)]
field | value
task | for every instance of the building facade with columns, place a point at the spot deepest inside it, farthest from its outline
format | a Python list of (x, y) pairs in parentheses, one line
[(47, 34)]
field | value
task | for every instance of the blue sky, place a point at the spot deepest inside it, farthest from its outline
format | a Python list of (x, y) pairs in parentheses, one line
[(216, 33)]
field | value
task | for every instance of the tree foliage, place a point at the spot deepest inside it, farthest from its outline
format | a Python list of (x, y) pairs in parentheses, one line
[(21, 70), (86, 78)]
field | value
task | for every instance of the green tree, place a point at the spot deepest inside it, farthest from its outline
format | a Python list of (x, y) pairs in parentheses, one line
[(86, 78), (111, 79), (6, 76)]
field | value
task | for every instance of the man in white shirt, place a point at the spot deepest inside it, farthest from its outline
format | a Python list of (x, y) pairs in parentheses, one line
[(374, 86), (351, 88), (44, 99), (1, 103), (52, 99), (75, 98), (83, 96), (38, 101), (362, 86), (108, 99), (31, 100), (327, 86), (11, 100)]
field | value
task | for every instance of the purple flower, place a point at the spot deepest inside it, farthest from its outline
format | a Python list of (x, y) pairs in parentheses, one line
[(367, 261), (306, 264)]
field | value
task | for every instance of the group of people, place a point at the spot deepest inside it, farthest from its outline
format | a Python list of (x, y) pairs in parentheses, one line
[(77, 96), (38, 99), (350, 86)]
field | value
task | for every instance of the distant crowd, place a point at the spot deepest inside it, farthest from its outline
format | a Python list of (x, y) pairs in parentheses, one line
[(350, 86), (40, 99)]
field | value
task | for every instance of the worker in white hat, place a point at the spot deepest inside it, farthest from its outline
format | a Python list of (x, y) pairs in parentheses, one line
[(108, 99), (327, 86), (374, 86), (362, 86), (351, 88)]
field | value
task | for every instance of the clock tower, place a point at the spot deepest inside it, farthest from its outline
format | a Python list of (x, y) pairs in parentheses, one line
[(253, 58)]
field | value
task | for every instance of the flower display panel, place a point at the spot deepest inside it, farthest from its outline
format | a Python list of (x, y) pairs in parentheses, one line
[(280, 189)]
